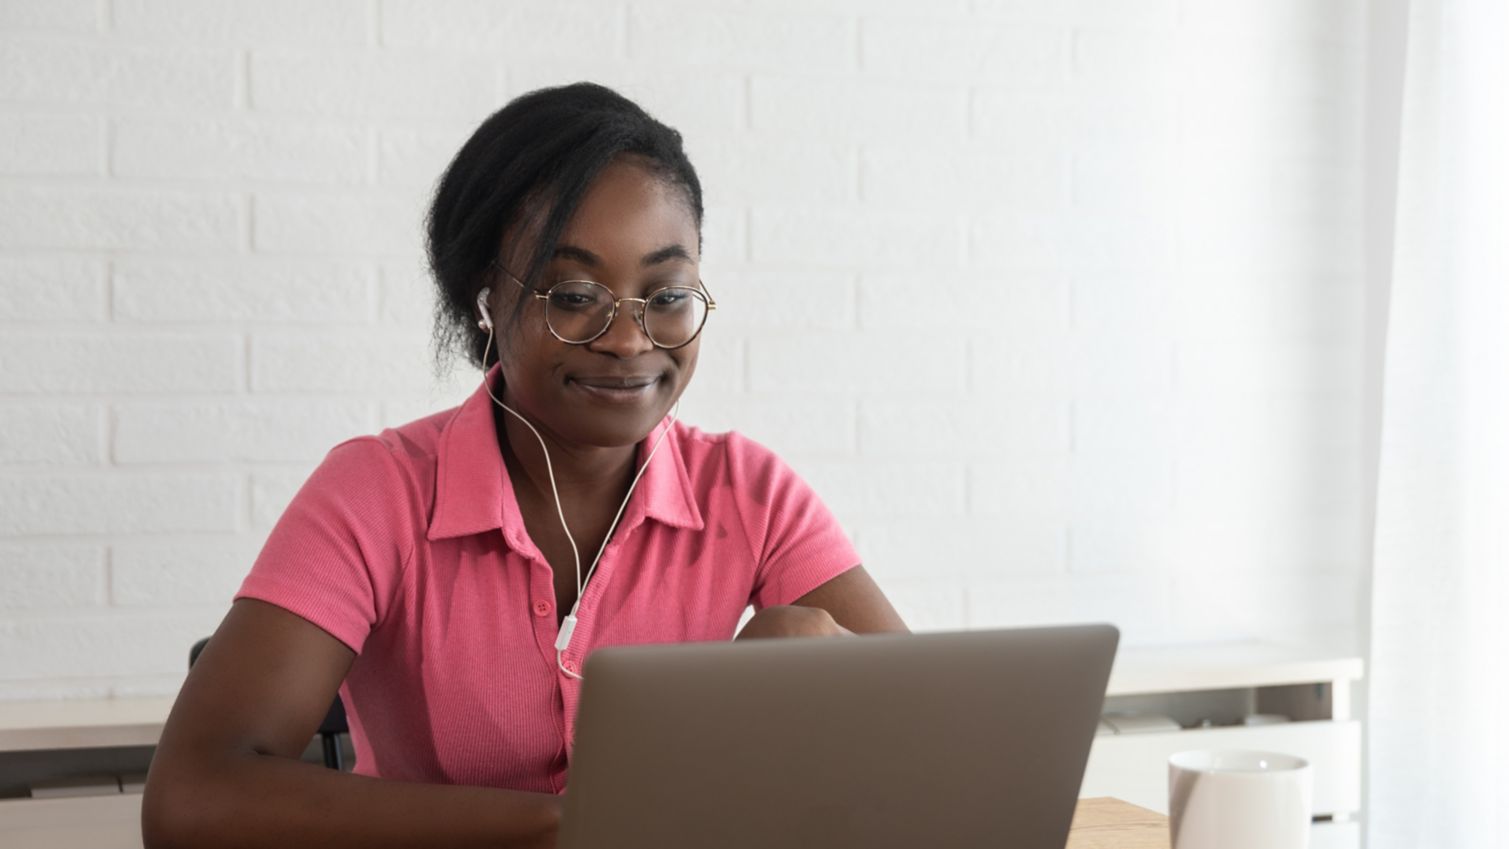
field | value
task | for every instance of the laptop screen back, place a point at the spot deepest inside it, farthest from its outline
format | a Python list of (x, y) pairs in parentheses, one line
[(976, 738)]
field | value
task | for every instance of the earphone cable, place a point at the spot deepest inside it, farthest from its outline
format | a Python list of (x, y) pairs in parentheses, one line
[(568, 625)]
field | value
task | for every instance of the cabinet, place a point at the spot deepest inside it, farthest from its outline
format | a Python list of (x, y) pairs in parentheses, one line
[(1207, 690)]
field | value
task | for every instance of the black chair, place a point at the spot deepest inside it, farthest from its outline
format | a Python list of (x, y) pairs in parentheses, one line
[(333, 725)]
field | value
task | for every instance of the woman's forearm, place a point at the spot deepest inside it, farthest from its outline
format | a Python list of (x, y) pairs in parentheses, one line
[(250, 801)]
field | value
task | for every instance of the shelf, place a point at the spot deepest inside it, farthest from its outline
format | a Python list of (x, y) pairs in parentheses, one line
[(1221, 684), (82, 724), (1228, 666), (1310, 685)]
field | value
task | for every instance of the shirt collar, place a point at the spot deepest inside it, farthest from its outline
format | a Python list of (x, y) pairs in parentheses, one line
[(473, 492)]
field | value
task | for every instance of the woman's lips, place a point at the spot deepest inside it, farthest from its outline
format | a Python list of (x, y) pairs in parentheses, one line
[(619, 390)]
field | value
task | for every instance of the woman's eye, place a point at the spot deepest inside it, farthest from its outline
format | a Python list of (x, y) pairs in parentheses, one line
[(571, 300), (663, 300)]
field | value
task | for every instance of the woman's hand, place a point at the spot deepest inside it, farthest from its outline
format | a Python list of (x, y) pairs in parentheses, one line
[(792, 621)]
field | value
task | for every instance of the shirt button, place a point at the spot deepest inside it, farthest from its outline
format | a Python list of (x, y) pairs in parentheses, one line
[(570, 666), (542, 608)]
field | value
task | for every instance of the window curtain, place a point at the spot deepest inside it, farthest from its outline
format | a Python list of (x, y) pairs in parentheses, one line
[(1438, 703)]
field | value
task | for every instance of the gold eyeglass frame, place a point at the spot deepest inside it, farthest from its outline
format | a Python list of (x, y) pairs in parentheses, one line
[(638, 317)]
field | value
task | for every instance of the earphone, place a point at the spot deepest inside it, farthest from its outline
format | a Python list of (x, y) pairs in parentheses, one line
[(486, 321), (568, 625)]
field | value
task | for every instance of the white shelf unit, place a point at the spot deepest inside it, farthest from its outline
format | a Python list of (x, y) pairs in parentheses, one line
[(1188, 684), (1221, 684), (82, 737)]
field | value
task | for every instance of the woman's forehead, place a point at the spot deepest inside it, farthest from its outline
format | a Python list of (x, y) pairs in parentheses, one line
[(630, 214)]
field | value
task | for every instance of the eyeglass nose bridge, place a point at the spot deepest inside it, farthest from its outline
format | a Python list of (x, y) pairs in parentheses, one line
[(637, 314)]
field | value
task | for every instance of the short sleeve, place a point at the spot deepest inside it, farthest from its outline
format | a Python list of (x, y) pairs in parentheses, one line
[(337, 554), (798, 543)]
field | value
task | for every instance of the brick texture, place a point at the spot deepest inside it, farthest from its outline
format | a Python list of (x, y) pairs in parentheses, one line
[(1056, 304)]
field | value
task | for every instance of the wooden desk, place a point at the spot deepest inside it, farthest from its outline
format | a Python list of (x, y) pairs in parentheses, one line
[(114, 822), (1105, 823)]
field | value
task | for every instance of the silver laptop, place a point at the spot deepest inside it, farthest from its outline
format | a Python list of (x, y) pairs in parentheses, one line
[(947, 739)]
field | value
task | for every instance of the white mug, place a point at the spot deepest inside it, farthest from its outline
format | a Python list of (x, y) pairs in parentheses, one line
[(1239, 799)]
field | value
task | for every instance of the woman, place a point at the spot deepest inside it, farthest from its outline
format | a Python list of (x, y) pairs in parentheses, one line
[(450, 576)]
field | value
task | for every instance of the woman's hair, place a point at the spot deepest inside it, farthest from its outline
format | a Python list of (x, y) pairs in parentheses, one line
[(532, 159)]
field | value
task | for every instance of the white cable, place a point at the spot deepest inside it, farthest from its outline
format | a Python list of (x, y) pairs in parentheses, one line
[(568, 625)]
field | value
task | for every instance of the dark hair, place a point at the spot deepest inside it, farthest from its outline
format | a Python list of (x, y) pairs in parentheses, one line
[(534, 157)]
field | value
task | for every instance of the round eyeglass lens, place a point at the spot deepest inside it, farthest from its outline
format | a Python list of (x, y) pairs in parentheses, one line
[(578, 310), (674, 315)]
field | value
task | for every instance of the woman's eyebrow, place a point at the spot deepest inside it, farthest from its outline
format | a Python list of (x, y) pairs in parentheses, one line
[(581, 255), (665, 254), (591, 260)]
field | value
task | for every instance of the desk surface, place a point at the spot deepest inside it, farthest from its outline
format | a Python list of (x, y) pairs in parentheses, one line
[(1105, 823), (114, 822)]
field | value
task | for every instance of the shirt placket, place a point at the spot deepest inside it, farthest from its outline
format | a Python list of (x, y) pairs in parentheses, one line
[(583, 639), (542, 614)]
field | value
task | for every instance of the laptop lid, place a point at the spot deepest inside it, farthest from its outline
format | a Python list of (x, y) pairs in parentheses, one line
[(962, 739)]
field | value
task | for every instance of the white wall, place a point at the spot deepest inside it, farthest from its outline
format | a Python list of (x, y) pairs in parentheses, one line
[(1059, 305)]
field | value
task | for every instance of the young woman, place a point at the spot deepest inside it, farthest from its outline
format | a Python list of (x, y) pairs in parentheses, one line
[(449, 577)]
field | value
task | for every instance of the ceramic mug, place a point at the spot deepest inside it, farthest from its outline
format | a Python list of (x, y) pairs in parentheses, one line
[(1239, 799)]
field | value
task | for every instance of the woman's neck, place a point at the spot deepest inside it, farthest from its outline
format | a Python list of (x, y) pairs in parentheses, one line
[(589, 477)]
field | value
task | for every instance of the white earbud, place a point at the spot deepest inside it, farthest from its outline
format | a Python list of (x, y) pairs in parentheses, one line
[(486, 321)]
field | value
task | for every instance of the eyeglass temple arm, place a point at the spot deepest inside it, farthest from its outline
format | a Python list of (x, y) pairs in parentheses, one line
[(522, 285)]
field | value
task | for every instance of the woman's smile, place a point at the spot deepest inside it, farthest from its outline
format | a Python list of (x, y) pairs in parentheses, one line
[(635, 389)]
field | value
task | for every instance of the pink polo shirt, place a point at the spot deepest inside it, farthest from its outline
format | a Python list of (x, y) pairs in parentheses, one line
[(408, 547)]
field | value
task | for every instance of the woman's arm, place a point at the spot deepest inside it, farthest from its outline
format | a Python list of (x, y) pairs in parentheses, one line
[(227, 773), (849, 603)]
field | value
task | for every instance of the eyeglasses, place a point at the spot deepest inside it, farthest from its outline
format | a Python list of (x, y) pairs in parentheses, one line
[(579, 311)]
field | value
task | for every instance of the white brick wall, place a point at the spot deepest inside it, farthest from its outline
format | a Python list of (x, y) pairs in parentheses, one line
[(1058, 304)]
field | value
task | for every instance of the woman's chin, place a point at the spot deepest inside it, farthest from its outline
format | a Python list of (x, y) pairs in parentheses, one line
[(614, 431)]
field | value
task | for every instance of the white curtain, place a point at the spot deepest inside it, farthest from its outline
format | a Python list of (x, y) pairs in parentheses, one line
[(1438, 702)]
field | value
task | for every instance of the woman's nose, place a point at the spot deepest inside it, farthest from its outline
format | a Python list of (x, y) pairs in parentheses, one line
[(625, 336)]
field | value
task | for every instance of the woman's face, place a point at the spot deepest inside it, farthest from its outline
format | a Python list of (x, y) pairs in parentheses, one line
[(633, 232)]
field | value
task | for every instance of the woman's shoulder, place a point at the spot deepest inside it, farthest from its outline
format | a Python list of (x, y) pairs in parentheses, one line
[(404, 453), (416, 441), (733, 454), (704, 445)]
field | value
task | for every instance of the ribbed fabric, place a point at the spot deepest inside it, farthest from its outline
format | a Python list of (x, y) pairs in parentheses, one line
[(408, 546)]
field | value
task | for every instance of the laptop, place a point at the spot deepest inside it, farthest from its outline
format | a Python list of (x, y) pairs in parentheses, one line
[(946, 739)]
